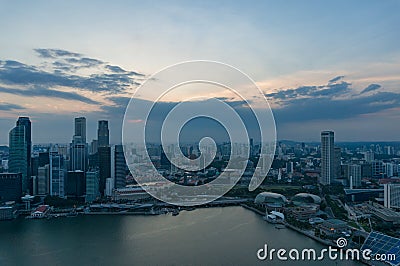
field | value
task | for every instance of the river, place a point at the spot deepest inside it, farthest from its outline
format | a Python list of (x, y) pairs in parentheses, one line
[(213, 236)]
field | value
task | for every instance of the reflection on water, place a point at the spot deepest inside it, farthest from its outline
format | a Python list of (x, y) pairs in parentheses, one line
[(214, 236)]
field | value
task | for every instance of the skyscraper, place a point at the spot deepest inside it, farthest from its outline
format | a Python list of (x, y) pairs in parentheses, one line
[(391, 195), (103, 137), (57, 174), (327, 157), (354, 175), (80, 128), (79, 149), (119, 167), (104, 154), (43, 180), (79, 157), (24, 121), (337, 162), (92, 185), (18, 160), (75, 184)]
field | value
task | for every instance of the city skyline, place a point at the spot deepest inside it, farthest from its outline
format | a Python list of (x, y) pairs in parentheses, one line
[(339, 74), (94, 137)]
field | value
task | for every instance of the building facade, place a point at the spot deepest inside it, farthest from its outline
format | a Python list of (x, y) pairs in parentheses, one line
[(57, 175), (10, 187), (92, 185), (354, 175), (391, 195), (120, 167), (103, 134), (327, 157), (18, 160)]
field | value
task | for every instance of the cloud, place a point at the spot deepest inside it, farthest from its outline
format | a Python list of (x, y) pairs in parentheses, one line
[(115, 69), (327, 91), (119, 70), (61, 68), (84, 62), (336, 79), (9, 106), (54, 53), (371, 87), (332, 101), (49, 93)]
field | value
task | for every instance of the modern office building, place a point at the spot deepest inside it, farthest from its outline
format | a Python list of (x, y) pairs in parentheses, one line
[(18, 159), (327, 157), (10, 186), (337, 162), (93, 146), (92, 185), (104, 155), (75, 184), (354, 175), (369, 156), (43, 180), (57, 175), (120, 167), (79, 147), (79, 154), (392, 195), (103, 134), (109, 187), (80, 128), (378, 169), (366, 170), (391, 169), (24, 121)]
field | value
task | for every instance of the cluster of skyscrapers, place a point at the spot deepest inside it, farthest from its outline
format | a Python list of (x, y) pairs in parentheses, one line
[(78, 170)]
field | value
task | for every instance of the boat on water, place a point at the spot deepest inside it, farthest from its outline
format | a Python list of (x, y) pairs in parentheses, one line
[(275, 217), (280, 226)]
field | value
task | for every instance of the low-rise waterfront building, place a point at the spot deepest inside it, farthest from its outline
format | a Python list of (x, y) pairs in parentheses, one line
[(270, 200), (10, 186), (40, 212), (332, 228), (6, 213), (130, 193)]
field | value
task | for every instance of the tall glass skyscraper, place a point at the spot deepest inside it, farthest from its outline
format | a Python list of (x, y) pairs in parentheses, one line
[(103, 136), (104, 154), (92, 185), (24, 121), (57, 174), (19, 157), (79, 149), (327, 157), (80, 128), (119, 167)]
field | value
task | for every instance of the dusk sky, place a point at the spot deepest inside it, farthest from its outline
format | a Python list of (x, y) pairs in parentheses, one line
[(322, 65)]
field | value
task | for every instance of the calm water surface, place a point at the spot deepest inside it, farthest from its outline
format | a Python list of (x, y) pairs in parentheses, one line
[(214, 236)]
